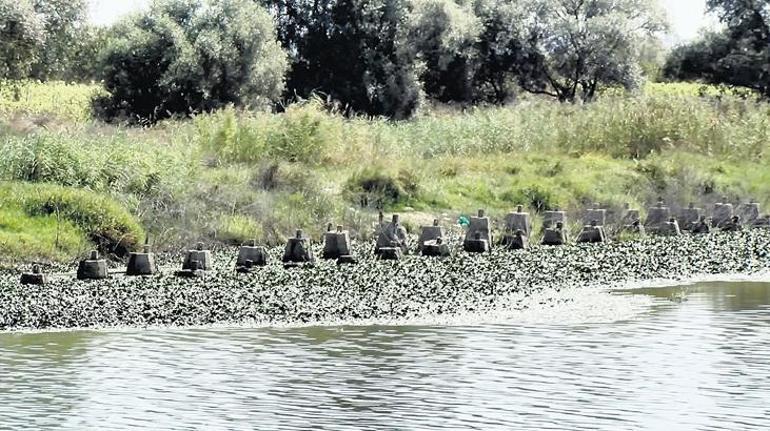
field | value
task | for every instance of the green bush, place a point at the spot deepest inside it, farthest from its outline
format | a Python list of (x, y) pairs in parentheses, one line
[(103, 220), (375, 187), (184, 57)]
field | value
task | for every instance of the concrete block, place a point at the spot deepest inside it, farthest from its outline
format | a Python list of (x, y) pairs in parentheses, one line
[(689, 217), (734, 225), (257, 255), (34, 278), (191, 273), (701, 226), (141, 263), (429, 233), (298, 250), (478, 231), (592, 234), (198, 259), (596, 214), (550, 218), (749, 213), (518, 220), (516, 241), (389, 253), (392, 235), (436, 248), (347, 260), (722, 214), (555, 236), (670, 228), (657, 217), (92, 268), (336, 244)]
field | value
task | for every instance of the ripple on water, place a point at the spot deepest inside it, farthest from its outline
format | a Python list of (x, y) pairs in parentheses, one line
[(692, 357)]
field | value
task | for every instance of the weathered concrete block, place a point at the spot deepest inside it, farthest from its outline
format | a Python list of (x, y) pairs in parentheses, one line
[(701, 226), (555, 235), (392, 235), (199, 255), (476, 246), (749, 213), (592, 234), (516, 241), (635, 227), (762, 222), (629, 216), (192, 273), (518, 220), (478, 231), (689, 217), (550, 218), (389, 253), (436, 248), (722, 214), (657, 217), (34, 278), (298, 250), (669, 228), (734, 225), (596, 214), (336, 244), (257, 255), (92, 268), (347, 260), (429, 233), (141, 263), (247, 267)]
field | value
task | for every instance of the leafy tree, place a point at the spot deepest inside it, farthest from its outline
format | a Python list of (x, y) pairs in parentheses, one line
[(574, 46), (353, 52), (21, 36), (65, 28), (189, 56), (444, 36), (737, 56), (500, 50)]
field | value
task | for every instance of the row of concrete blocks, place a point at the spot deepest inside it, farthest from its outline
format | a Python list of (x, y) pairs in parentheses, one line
[(393, 240)]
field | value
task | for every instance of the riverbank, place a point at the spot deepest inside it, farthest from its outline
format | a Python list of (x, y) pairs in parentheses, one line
[(413, 287), (233, 176)]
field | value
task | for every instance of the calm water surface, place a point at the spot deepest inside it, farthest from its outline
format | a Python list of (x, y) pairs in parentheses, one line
[(695, 357)]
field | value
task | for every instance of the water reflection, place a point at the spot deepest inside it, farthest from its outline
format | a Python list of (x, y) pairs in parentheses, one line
[(696, 357)]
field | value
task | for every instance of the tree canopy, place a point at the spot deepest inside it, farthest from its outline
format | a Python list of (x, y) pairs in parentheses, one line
[(22, 35), (189, 56), (738, 56)]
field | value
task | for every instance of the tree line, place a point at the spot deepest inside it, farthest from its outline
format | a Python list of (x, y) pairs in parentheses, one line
[(373, 57), (737, 55)]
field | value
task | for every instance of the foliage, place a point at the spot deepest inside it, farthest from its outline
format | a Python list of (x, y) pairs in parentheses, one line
[(354, 52), (444, 34), (27, 238), (22, 33), (189, 56), (65, 30), (738, 55), (576, 45), (55, 100), (103, 220)]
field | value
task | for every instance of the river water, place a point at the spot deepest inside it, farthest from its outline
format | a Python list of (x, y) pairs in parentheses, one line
[(688, 357)]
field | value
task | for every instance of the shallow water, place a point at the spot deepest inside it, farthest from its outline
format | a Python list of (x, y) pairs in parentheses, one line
[(693, 357)]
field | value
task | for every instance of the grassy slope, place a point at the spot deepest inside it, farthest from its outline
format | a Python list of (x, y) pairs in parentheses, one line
[(233, 175)]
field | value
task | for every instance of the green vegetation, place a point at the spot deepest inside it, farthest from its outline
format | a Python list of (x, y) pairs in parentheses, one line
[(44, 220), (235, 175)]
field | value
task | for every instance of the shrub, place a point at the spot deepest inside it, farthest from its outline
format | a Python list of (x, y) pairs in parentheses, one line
[(188, 56), (237, 229), (376, 188), (102, 219)]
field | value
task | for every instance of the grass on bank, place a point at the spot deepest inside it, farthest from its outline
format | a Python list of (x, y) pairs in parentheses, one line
[(39, 221), (231, 176)]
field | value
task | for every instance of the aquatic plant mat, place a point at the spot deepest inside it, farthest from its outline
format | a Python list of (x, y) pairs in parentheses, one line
[(411, 288)]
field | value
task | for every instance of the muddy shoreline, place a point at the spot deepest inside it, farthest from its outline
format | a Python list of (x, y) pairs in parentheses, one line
[(410, 288)]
